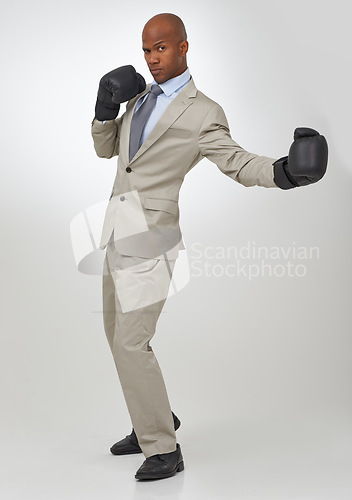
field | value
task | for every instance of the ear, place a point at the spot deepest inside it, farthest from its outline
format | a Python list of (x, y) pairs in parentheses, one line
[(184, 47)]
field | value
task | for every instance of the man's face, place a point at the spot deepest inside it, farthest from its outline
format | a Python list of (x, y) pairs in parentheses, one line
[(164, 54)]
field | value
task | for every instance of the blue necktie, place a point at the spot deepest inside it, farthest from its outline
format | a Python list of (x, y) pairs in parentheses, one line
[(140, 119)]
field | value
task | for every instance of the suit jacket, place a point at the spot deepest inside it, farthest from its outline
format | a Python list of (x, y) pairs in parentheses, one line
[(143, 208)]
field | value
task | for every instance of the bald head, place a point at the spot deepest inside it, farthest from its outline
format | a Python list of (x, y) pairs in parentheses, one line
[(165, 46), (168, 23)]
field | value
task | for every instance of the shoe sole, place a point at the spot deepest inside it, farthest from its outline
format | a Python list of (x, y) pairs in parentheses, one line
[(180, 467), (127, 452)]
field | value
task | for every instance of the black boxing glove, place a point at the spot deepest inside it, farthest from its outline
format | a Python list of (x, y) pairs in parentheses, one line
[(117, 86), (306, 162)]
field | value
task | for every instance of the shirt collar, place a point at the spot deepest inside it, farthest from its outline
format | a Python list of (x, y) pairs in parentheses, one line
[(173, 84)]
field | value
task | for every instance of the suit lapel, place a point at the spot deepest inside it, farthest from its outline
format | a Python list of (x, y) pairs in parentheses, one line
[(176, 107)]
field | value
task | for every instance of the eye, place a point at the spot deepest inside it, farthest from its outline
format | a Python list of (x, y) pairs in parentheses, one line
[(162, 47)]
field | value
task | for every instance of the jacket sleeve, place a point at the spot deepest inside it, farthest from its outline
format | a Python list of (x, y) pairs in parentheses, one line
[(106, 137), (216, 144)]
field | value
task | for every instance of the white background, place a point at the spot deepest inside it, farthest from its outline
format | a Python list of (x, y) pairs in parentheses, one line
[(258, 371)]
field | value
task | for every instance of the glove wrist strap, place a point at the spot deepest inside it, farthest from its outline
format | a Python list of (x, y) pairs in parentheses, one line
[(281, 177)]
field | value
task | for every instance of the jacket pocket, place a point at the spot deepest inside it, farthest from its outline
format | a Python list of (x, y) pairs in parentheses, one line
[(169, 206), (179, 132)]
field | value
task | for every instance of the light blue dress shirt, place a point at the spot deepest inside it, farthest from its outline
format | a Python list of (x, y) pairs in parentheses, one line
[(170, 90)]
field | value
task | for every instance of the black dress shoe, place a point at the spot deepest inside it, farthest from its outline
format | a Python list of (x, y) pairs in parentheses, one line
[(129, 444), (162, 465)]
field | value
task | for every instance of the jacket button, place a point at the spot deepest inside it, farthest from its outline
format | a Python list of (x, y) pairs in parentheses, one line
[(128, 169), (122, 198)]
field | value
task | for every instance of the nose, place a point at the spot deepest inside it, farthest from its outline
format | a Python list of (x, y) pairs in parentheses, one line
[(153, 59)]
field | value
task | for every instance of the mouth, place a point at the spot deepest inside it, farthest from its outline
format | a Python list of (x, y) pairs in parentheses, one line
[(155, 71)]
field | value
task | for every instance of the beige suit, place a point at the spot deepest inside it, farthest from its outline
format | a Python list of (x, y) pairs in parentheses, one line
[(191, 128), (142, 235)]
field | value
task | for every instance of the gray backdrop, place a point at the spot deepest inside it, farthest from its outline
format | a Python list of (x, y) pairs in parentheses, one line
[(257, 367)]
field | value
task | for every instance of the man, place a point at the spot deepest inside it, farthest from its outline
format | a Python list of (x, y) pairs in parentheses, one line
[(167, 128)]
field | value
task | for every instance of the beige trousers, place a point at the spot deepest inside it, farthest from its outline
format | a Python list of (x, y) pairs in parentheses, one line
[(134, 292)]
